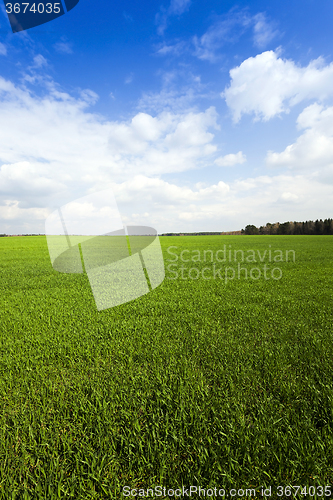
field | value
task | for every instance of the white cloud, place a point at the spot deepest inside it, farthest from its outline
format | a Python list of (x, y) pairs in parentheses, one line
[(160, 191), (32, 178), (267, 85), (176, 48), (287, 196), (166, 203), (314, 148), (54, 150), (129, 79), (282, 197), (180, 92), (192, 130), (63, 47), (39, 61), (52, 146), (10, 211), (230, 160), (227, 29), (176, 8), (263, 31), (89, 97), (3, 49), (222, 206), (176, 100)]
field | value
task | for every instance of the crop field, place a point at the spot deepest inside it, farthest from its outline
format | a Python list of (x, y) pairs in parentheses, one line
[(219, 377)]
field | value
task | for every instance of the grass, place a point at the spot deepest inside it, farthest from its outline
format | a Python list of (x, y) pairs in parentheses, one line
[(199, 382)]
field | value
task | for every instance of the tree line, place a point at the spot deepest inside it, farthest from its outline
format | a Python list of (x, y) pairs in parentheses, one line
[(207, 233), (308, 227)]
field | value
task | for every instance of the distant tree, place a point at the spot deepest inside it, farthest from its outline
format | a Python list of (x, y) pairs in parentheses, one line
[(319, 227), (272, 228), (307, 227), (269, 228), (251, 229), (297, 228), (328, 226), (283, 228)]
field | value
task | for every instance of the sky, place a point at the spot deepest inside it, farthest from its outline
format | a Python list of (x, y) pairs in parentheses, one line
[(199, 115)]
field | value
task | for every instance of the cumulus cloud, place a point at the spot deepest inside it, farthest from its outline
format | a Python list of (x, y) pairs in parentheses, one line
[(314, 147), (267, 85), (54, 149), (222, 206), (167, 204), (230, 160), (11, 211), (288, 197), (30, 178), (160, 191)]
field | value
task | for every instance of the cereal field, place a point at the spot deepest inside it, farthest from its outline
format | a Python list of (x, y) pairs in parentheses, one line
[(214, 379)]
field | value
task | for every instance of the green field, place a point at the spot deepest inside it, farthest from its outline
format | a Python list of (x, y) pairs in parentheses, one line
[(207, 382)]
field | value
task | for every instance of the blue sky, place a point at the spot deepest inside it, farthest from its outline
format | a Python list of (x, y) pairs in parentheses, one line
[(201, 116)]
